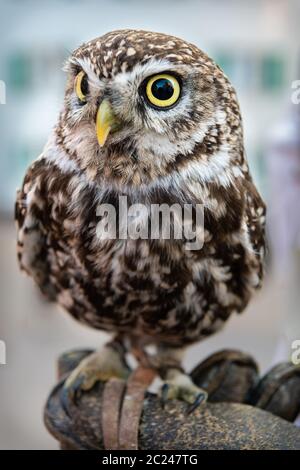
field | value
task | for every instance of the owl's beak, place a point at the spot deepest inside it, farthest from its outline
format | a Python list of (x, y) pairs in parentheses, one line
[(105, 121)]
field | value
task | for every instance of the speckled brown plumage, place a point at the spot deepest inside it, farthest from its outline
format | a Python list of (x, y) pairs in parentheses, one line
[(192, 153)]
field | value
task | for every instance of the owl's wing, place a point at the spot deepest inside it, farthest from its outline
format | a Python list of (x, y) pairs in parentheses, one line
[(256, 221), (256, 211), (31, 234)]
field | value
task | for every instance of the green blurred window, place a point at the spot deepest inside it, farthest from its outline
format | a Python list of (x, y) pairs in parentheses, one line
[(19, 69), (272, 72)]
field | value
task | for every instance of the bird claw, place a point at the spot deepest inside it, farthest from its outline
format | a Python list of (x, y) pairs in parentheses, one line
[(70, 396), (97, 367), (201, 398), (182, 388), (164, 394)]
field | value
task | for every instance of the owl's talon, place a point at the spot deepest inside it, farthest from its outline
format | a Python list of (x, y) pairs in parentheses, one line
[(180, 386), (99, 366), (164, 395), (201, 398), (67, 398), (71, 394), (76, 388)]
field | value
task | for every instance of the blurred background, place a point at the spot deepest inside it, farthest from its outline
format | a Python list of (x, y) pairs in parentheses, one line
[(257, 44)]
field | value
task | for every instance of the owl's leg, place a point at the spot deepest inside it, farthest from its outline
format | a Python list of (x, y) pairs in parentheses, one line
[(177, 384), (101, 365)]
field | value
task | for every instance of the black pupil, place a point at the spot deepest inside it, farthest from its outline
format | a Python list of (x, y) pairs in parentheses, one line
[(162, 89), (84, 85)]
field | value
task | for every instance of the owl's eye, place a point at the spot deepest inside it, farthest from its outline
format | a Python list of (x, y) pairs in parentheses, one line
[(81, 86), (163, 90)]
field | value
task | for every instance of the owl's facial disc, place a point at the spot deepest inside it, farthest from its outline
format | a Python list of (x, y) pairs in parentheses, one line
[(139, 104), (156, 109)]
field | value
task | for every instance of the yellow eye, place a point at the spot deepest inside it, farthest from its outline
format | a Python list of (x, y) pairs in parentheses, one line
[(81, 86), (163, 90)]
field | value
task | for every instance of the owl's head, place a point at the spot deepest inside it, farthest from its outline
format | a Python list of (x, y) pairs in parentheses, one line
[(140, 105)]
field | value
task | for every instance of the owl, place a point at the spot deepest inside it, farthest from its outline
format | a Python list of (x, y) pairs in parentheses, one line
[(150, 118)]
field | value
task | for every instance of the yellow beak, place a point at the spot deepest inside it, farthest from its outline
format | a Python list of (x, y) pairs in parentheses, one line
[(105, 121)]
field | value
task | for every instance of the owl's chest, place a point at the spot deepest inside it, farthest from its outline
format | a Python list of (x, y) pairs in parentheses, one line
[(146, 285), (121, 250)]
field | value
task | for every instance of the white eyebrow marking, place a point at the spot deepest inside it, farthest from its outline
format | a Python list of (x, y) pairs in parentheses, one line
[(141, 71), (87, 66)]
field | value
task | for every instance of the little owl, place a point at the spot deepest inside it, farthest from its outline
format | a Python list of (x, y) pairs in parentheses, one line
[(150, 117)]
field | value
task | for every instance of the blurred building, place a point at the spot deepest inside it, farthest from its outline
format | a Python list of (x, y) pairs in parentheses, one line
[(257, 44)]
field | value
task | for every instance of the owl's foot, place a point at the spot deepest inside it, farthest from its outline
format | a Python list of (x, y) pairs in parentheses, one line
[(99, 366), (180, 386)]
